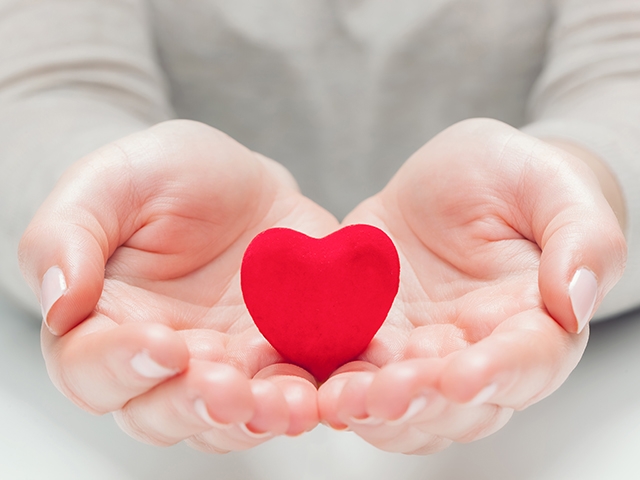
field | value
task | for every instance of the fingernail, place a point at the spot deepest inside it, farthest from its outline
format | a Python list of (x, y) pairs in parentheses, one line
[(416, 406), (53, 287), (366, 421), (333, 427), (483, 395), (245, 429), (583, 290), (149, 368), (201, 409)]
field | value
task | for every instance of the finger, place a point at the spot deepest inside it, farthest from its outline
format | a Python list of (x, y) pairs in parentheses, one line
[(583, 247), (402, 391), (207, 396), (392, 436), (465, 423), (517, 187), (408, 440), (399, 409), (396, 395), (137, 182), (64, 250), (352, 405), (525, 359), (102, 370), (330, 391), (413, 414), (271, 415), (300, 392), (270, 418)]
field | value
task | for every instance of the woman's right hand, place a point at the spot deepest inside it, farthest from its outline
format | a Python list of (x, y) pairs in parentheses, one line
[(135, 258)]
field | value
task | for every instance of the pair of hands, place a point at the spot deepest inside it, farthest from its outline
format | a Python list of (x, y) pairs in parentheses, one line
[(135, 257)]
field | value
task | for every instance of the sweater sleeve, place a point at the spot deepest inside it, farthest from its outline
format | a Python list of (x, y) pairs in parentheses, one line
[(74, 75), (589, 94)]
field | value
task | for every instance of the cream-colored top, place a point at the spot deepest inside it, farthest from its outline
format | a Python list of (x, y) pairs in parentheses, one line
[(339, 91)]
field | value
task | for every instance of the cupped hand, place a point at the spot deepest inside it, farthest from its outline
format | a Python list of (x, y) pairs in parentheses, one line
[(507, 245), (135, 258)]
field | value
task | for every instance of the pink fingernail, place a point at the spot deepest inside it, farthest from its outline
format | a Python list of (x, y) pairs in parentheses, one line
[(342, 429), (483, 395), (251, 434), (146, 366), (583, 291), (201, 409), (366, 421), (416, 406), (53, 287)]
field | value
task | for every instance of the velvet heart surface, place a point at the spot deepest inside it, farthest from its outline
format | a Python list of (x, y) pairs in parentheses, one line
[(319, 302)]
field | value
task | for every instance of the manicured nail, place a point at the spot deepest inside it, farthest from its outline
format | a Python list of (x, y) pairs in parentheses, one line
[(149, 368), (338, 429), (245, 429), (201, 409), (483, 395), (583, 290), (416, 406), (53, 287), (366, 421)]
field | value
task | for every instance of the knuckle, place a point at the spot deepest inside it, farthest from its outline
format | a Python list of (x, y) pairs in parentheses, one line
[(198, 443), (131, 422), (70, 388), (435, 444), (486, 424)]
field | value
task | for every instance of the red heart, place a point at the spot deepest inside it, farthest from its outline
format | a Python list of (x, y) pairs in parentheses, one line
[(319, 302)]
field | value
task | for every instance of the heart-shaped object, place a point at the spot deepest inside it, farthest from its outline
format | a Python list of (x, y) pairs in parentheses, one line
[(319, 302)]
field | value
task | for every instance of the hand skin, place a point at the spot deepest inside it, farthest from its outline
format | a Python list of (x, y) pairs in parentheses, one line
[(469, 214), (491, 226), (149, 233)]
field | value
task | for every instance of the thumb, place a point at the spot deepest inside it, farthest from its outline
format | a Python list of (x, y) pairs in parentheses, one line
[(64, 250), (185, 171), (583, 247)]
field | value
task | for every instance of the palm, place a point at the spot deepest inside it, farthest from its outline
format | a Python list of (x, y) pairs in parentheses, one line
[(464, 272), (177, 270), (462, 214)]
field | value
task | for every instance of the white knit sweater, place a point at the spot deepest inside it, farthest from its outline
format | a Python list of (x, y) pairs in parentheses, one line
[(339, 91)]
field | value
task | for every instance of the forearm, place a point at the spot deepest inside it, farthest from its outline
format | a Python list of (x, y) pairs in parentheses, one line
[(612, 155)]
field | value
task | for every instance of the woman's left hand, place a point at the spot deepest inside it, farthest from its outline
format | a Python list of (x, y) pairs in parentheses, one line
[(507, 246)]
